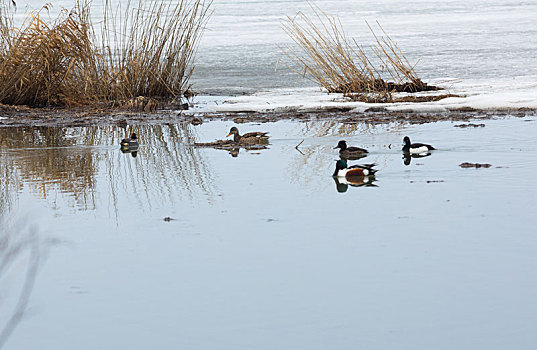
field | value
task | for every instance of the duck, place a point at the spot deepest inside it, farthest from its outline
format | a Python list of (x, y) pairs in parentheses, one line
[(354, 171), (130, 143), (248, 138), (350, 153), (415, 147)]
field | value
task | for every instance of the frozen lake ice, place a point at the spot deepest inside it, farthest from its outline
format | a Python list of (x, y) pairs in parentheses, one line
[(483, 50)]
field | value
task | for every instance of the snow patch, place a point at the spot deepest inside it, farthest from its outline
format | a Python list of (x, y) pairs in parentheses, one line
[(512, 94)]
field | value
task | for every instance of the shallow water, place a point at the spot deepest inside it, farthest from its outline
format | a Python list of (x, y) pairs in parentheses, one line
[(263, 252)]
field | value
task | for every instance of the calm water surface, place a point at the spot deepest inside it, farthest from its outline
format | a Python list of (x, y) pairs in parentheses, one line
[(263, 252)]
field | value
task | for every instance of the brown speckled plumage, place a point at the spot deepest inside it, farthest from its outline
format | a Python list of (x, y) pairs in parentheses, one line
[(248, 138)]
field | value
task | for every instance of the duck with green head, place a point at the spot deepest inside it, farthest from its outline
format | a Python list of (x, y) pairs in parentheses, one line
[(131, 142)]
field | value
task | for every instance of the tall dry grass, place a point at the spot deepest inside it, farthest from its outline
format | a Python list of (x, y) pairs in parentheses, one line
[(143, 49), (327, 56)]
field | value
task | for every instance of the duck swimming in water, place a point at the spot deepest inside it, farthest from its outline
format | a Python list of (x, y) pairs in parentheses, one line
[(354, 171), (415, 148), (350, 153), (130, 143), (248, 138)]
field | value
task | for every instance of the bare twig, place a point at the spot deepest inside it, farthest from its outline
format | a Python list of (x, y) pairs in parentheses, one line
[(296, 147)]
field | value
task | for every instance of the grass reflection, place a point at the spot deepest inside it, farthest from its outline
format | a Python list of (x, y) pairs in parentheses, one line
[(166, 169), (314, 159), (21, 254), (46, 160), (85, 165)]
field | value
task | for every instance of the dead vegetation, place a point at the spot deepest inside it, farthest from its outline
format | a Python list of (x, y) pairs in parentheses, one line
[(474, 165), (390, 98), (327, 56), (144, 49)]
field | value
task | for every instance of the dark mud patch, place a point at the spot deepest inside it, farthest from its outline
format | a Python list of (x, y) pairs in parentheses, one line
[(474, 165), (428, 181), (390, 99), (469, 125), (78, 117)]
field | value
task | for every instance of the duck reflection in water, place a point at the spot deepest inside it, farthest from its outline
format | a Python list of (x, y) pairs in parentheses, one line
[(355, 175), (133, 153), (407, 157), (232, 148), (234, 152)]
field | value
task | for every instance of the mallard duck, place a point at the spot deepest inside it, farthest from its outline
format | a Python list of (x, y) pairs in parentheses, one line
[(350, 153), (354, 171), (248, 138), (130, 143), (415, 147)]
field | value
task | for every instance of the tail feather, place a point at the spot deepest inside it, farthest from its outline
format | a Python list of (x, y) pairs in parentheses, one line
[(366, 166)]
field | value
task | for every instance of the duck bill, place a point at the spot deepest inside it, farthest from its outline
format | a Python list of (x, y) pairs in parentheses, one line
[(228, 135)]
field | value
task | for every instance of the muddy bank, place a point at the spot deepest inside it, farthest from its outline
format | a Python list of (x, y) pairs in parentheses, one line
[(24, 116)]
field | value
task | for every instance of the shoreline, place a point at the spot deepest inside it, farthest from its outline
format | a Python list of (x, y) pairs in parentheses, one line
[(21, 116)]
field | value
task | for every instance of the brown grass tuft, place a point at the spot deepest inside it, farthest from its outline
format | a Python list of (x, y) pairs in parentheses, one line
[(328, 57), (144, 50)]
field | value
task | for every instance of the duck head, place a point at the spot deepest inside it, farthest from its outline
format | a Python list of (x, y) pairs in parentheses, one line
[(340, 165), (233, 131), (342, 145), (406, 143)]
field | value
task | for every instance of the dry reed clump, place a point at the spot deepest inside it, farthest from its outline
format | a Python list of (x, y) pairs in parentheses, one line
[(328, 57), (144, 50)]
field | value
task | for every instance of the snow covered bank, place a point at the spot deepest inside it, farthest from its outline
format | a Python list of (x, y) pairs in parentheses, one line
[(485, 95)]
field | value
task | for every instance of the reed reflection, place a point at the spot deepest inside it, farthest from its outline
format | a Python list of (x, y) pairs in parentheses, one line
[(334, 128), (84, 166), (9, 183), (310, 160), (165, 168), (21, 255), (45, 159)]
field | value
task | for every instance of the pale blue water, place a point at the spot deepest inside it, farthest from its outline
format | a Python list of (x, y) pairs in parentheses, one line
[(263, 251)]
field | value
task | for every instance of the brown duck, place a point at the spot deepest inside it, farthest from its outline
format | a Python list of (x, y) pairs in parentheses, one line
[(350, 153), (248, 138)]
